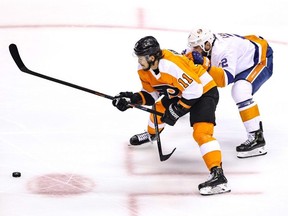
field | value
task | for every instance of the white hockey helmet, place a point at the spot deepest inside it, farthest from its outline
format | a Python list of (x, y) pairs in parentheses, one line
[(198, 37)]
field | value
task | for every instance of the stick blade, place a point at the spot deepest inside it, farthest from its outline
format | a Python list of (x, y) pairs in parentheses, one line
[(166, 157), (16, 57)]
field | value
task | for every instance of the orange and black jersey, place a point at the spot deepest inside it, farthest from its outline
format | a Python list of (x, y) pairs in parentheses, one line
[(177, 76)]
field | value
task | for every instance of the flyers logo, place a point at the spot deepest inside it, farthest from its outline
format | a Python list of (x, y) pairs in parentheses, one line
[(168, 91)]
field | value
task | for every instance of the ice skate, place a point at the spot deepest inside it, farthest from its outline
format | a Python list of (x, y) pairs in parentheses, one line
[(142, 138), (216, 184), (253, 146)]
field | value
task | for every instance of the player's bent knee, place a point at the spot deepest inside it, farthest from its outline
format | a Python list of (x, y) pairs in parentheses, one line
[(241, 91), (203, 132)]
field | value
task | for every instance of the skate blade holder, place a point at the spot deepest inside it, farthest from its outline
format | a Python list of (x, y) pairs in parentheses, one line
[(253, 153), (219, 189)]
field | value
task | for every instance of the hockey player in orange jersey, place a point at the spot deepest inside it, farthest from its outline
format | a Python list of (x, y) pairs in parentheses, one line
[(184, 88), (244, 61)]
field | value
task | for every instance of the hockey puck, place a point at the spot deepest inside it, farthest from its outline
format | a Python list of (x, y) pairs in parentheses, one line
[(16, 174)]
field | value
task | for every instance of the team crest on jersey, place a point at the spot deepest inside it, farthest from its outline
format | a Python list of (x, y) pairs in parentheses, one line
[(167, 90)]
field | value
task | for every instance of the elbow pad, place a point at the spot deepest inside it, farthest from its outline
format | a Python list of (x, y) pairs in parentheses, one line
[(146, 98)]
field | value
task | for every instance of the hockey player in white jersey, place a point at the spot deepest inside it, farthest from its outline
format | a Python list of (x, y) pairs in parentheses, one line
[(244, 61)]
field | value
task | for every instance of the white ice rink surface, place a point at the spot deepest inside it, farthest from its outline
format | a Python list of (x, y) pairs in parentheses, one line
[(72, 147)]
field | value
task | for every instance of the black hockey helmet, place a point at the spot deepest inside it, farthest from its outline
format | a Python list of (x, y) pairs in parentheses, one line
[(147, 46)]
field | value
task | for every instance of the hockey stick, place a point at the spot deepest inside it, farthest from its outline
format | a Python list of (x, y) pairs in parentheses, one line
[(161, 155), (16, 56)]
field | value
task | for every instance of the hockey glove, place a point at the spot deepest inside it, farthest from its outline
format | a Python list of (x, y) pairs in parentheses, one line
[(202, 60), (123, 99), (135, 98), (121, 104), (173, 113), (197, 57)]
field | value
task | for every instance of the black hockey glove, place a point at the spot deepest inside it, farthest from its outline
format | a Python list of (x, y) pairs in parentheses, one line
[(173, 113), (121, 104), (123, 99)]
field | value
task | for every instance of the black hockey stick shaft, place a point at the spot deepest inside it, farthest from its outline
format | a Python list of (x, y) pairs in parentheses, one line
[(16, 56), (161, 155)]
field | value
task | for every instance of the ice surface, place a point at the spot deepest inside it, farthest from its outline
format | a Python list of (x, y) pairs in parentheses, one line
[(72, 147)]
